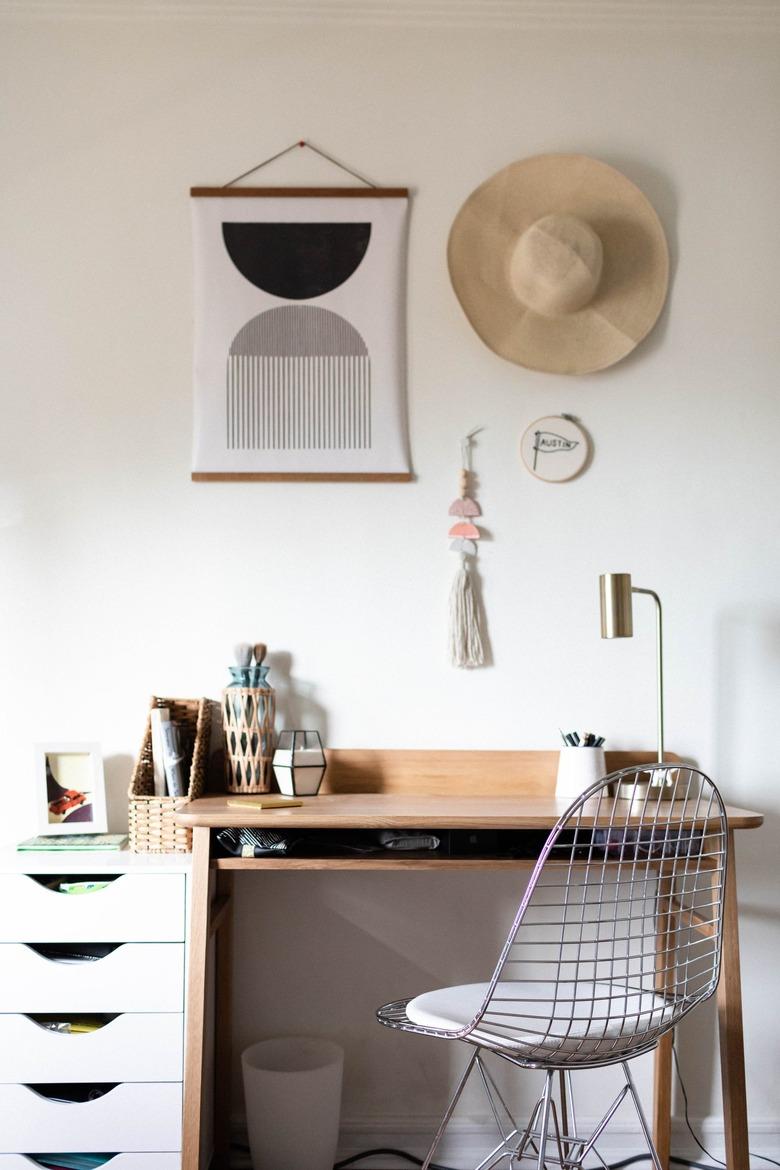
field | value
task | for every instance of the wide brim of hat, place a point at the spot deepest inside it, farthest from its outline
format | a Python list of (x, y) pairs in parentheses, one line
[(635, 273)]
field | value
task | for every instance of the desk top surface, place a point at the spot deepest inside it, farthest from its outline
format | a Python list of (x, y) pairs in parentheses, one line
[(393, 810)]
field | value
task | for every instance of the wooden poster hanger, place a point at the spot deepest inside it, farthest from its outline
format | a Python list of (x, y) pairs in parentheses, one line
[(230, 191)]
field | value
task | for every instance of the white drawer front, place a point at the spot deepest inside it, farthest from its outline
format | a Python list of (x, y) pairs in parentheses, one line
[(133, 1117), (133, 908), (128, 1048), (136, 977), (118, 1162)]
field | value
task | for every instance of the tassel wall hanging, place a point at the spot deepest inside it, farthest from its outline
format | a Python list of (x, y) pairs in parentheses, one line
[(465, 635)]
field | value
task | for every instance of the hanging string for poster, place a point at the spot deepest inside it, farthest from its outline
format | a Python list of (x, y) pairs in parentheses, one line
[(299, 145), (466, 649)]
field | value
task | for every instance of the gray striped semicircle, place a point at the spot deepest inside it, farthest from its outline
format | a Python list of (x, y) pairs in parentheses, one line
[(298, 378), (298, 331)]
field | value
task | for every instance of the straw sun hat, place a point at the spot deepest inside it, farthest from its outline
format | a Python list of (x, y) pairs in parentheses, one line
[(560, 263)]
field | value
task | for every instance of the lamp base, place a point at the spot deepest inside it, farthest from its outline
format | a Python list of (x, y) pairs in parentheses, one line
[(656, 787)]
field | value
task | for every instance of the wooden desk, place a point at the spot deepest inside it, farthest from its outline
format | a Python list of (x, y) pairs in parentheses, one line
[(424, 790)]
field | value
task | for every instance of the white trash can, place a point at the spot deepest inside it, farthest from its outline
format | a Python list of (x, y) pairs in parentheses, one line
[(292, 1088)]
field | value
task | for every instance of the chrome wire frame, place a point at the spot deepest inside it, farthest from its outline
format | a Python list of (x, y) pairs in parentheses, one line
[(617, 937), (547, 1139)]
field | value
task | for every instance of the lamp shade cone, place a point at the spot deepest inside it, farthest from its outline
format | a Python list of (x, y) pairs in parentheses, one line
[(616, 607)]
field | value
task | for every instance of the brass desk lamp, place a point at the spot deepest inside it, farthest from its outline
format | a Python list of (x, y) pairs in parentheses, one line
[(615, 594)]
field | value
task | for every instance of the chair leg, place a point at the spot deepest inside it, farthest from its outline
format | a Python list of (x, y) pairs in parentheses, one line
[(450, 1109), (570, 1095), (527, 1136), (493, 1094), (567, 1104), (642, 1119), (544, 1120)]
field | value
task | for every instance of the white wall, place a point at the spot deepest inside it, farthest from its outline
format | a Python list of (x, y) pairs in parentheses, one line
[(121, 578)]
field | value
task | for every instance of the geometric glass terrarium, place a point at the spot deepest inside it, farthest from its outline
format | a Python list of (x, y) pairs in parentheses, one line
[(299, 763)]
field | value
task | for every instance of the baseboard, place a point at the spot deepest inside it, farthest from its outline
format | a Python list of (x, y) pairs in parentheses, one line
[(466, 1142)]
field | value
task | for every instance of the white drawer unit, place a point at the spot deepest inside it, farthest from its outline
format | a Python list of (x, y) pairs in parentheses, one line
[(116, 953), (156, 1161), (128, 1048), (135, 977), (135, 1117), (131, 908)]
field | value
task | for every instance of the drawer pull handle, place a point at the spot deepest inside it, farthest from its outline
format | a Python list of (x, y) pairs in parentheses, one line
[(67, 1160), (79, 1024), (78, 885), (73, 952), (72, 1094)]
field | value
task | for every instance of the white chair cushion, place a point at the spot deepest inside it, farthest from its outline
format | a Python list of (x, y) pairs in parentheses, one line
[(583, 1019)]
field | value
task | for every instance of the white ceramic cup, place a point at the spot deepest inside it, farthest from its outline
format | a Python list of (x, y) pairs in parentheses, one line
[(578, 768), (292, 1087)]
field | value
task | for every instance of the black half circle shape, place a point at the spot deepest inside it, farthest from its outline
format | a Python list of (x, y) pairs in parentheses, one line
[(296, 261)]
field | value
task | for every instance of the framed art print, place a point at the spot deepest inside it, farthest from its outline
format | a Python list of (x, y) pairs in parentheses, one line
[(70, 793), (299, 365)]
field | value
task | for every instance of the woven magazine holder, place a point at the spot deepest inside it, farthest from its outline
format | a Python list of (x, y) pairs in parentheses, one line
[(151, 824)]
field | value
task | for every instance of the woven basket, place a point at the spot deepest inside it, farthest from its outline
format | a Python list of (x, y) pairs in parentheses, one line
[(151, 823)]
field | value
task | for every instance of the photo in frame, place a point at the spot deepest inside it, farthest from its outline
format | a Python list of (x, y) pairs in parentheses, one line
[(70, 789), (300, 350)]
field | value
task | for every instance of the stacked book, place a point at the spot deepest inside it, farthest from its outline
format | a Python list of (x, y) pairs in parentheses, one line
[(75, 843)]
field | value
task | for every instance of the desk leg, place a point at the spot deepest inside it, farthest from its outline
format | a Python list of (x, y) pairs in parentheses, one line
[(223, 1024), (662, 1099), (732, 1052), (196, 998)]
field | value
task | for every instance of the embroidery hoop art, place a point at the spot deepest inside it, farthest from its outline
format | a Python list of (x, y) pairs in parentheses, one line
[(555, 448)]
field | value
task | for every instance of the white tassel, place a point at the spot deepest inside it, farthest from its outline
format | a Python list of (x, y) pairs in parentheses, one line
[(465, 639)]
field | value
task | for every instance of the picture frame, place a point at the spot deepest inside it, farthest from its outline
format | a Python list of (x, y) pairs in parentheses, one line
[(70, 790), (300, 334)]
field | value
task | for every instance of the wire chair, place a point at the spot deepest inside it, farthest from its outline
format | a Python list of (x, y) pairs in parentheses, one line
[(617, 937)]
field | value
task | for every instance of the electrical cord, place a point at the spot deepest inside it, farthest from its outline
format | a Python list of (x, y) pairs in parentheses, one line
[(691, 1131), (751, 1153), (415, 1161), (386, 1153)]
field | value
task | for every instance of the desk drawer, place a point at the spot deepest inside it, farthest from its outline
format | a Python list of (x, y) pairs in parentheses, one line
[(127, 1048), (132, 908), (135, 977), (133, 1117), (118, 1162)]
